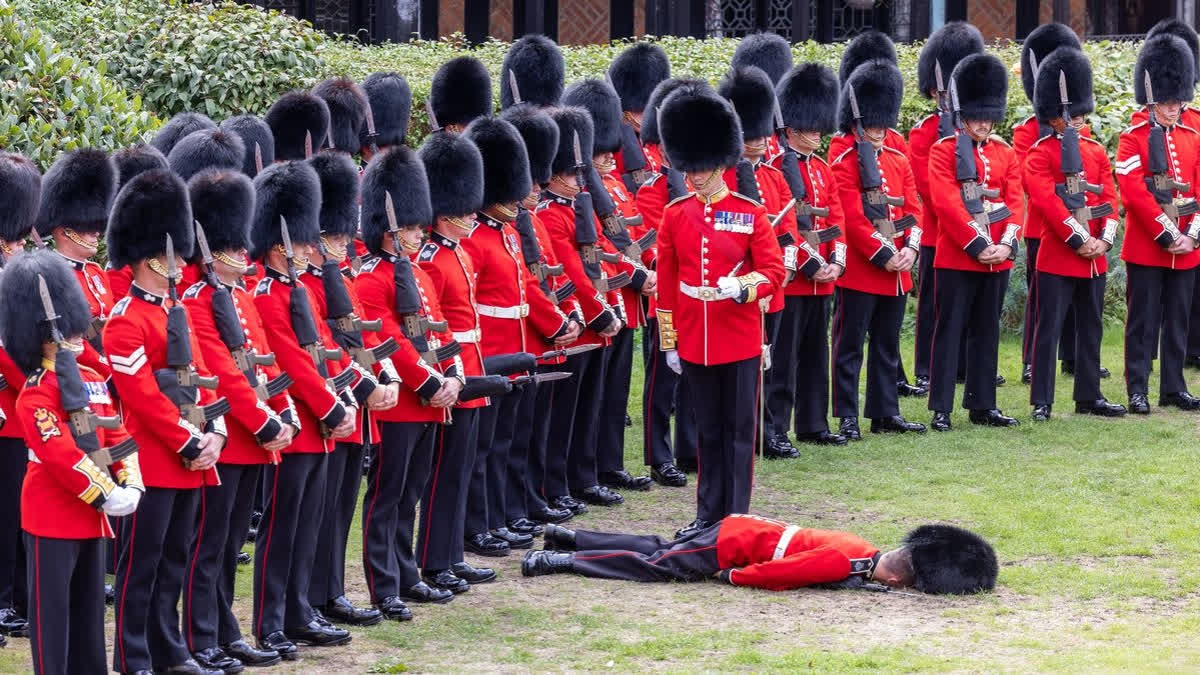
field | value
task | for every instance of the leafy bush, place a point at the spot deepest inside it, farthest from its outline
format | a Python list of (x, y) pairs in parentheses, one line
[(218, 58), (51, 102)]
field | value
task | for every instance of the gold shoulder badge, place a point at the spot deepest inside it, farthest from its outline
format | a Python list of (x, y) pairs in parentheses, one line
[(999, 139), (680, 198), (46, 422)]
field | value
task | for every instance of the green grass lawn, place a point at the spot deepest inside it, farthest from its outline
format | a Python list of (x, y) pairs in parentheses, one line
[(1094, 522)]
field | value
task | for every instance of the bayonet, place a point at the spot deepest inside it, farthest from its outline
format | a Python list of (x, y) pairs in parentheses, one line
[(1063, 97), (372, 133), (37, 238), (513, 88), (854, 106), (940, 83), (308, 145), (258, 160), (567, 351), (434, 127)]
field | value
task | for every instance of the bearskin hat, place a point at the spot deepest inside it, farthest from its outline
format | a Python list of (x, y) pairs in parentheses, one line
[(540, 134), (291, 190), (135, 159), (454, 168), (981, 82), (571, 121), (253, 132), (339, 192), (767, 51), (879, 88), (397, 171), (294, 117), (77, 192), (177, 127), (636, 72), (1039, 43), (505, 160), (947, 46), (207, 149), (753, 97), (808, 97), (461, 91), (948, 559), (1168, 60), (20, 193), (700, 132), (1047, 103), (391, 106), (661, 92), (1184, 32), (149, 207), (868, 46), (348, 105), (540, 69), (223, 204), (601, 101), (23, 324)]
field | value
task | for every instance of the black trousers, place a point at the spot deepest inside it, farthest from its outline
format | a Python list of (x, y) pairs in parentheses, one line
[(516, 485), (221, 525), (539, 450), (14, 457), (150, 576), (1066, 348), (1056, 294), (1193, 330), (485, 493), (581, 457), (967, 315), (66, 604), (726, 419), (614, 402), (395, 483), (771, 323), (444, 504), (926, 307), (857, 314), (563, 399), (632, 557), (687, 437), (798, 380), (658, 399), (1158, 305), (341, 499), (286, 548)]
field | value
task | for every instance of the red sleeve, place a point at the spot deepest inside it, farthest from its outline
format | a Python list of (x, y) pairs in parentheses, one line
[(1109, 185), (1131, 176), (821, 565), (562, 237), (912, 201), (545, 316), (945, 193), (668, 265), (378, 303), (1014, 194), (49, 438), (1039, 184), (859, 232), (94, 360), (766, 255), (12, 374)]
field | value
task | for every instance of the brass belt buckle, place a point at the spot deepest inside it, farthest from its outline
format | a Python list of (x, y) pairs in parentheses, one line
[(707, 294)]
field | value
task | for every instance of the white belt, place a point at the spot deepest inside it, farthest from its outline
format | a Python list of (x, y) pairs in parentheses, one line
[(514, 312), (469, 337), (784, 540), (701, 293)]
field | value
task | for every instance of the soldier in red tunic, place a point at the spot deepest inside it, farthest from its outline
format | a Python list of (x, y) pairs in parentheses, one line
[(772, 54), (745, 550), (634, 74), (717, 260), (1077, 231), (72, 484), (1157, 164), (975, 190)]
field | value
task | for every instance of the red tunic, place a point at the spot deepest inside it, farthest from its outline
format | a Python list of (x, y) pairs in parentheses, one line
[(773, 189), (555, 282), (1047, 211), (866, 251), (748, 545), (1144, 218), (627, 207), (64, 489), (135, 340), (841, 142), (699, 244), (558, 216), (920, 139), (958, 242), (822, 193), (1024, 135), (8, 396), (453, 275)]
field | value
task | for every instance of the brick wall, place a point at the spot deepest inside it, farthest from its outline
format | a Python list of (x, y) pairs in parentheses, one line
[(997, 19), (579, 21)]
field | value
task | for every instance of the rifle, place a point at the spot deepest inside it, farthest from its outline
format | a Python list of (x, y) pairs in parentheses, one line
[(347, 327), (531, 253), (480, 386), (967, 174), (1161, 182), (563, 352), (230, 330), (635, 161), (616, 226), (875, 200), (538, 378), (509, 364), (946, 124), (1073, 191), (179, 381), (74, 397), (1043, 128), (676, 183), (585, 232), (811, 239)]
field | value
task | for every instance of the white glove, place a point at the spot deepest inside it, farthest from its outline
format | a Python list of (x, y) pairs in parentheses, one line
[(673, 361), (729, 287), (122, 501)]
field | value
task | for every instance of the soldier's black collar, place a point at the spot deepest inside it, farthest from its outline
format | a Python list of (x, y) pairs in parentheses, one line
[(281, 277), (443, 241), (552, 196), (314, 270), (491, 222), (79, 265), (143, 294)]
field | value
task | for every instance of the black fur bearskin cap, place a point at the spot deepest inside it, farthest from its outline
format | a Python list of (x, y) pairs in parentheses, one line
[(664, 89), (20, 194), (981, 81), (348, 105), (1169, 62), (1039, 43), (505, 161), (253, 132), (391, 104), (77, 192), (135, 159), (700, 132), (879, 88), (1184, 32), (461, 91), (868, 46), (293, 118), (397, 171), (339, 192), (223, 204), (291, 190), (948, 45), (601, 101), (636, 72), (454, 168), (207, 149), (177, 128), (540, 134), (23, 324), (808, 97), (1047, 103), (151, 206), (750, 91), (571, 121), (767, 51), (948, 559), (540, 68)]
